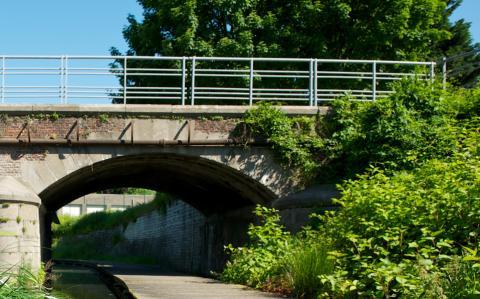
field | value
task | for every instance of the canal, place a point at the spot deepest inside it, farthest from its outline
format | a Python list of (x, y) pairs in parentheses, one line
[(75, 282)]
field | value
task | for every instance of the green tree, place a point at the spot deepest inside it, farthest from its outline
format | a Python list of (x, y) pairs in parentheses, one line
[(343, 29), (370, 29)]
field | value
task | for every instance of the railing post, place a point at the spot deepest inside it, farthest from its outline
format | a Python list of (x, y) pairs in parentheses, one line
[(374, 80), (65, 80), (61, 94), (250, 91), (193, 80), (315, 81), (444, 72), (432, 72), (3, 80), (184, 62), (310, 82), (125, 80)]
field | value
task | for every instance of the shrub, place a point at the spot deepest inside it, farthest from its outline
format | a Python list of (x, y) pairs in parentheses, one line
[(398, 132), (260, 261), (293, 139), (389, 226)]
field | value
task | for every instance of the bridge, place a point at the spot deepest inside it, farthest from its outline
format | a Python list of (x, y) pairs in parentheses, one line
[(62, 138)]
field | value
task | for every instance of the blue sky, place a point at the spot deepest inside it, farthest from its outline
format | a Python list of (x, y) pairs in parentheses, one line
[(58, 27), (91, 27), (470, 11)]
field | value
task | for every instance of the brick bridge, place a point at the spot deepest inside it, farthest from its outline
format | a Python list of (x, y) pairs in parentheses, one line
[(51, 155)]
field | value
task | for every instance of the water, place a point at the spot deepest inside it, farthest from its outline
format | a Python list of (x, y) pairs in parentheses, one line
[(78, 283)]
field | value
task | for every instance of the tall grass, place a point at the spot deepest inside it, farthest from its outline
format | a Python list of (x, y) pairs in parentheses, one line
[(22, 283), (304, 266)]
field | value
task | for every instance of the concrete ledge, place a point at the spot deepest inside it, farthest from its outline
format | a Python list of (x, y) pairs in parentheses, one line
[(152, 110), (12, 191)]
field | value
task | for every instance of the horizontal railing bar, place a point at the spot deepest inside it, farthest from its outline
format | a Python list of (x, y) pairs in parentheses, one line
[(272, 59), (94, 87), (149, 87), (30, 97), (27, 86), (32, 68), (280, 89), (155, 98), (221, 75), (154, 70), (7, 93), (280, 72), (223, 70), (220, 88), (154, 92), (154, 75), (281, 76), (57, 73)]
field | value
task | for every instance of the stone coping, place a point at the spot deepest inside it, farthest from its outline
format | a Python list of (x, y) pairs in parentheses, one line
[(135, 109)]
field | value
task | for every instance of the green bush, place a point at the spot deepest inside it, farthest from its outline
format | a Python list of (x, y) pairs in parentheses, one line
[(410, 208), (293, 139), (389, 226), (398, 132), (260, 261)]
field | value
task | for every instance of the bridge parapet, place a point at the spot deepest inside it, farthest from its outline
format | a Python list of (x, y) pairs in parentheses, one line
[(198, 80)]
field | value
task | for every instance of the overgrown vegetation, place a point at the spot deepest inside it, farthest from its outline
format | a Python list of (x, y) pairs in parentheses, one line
[(293, 139), (420, 121), (107, 219), (408, 225), (22, 283), (65, 244)]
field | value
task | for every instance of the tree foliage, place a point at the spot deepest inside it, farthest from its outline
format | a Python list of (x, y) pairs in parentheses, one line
[(394, 29)]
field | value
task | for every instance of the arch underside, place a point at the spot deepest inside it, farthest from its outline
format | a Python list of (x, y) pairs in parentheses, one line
[(209, 186)]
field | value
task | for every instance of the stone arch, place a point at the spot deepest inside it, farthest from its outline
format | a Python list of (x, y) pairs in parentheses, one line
[(209, 186), (207, 179)]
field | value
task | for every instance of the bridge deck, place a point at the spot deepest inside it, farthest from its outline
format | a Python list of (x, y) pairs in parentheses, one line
[(140, 109)]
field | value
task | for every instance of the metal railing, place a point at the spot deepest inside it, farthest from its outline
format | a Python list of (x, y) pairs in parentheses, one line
[(197, 80)]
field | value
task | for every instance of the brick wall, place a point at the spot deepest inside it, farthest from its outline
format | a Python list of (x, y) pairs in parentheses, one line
[(176, 238), (49, 128), (180, 239)]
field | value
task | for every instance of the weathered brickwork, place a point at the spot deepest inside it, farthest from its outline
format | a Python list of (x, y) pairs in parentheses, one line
[(210, 126), (58, 128)]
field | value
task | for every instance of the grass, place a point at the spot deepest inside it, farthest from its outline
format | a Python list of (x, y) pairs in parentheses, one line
[(69, 248), (304, 266), (70, 226), (66, 246), (23, 283)]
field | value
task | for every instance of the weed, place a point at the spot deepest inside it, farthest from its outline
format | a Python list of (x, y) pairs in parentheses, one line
[(103, 118)]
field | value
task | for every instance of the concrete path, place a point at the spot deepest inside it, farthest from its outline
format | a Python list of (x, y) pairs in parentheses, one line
[(151, 282)]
